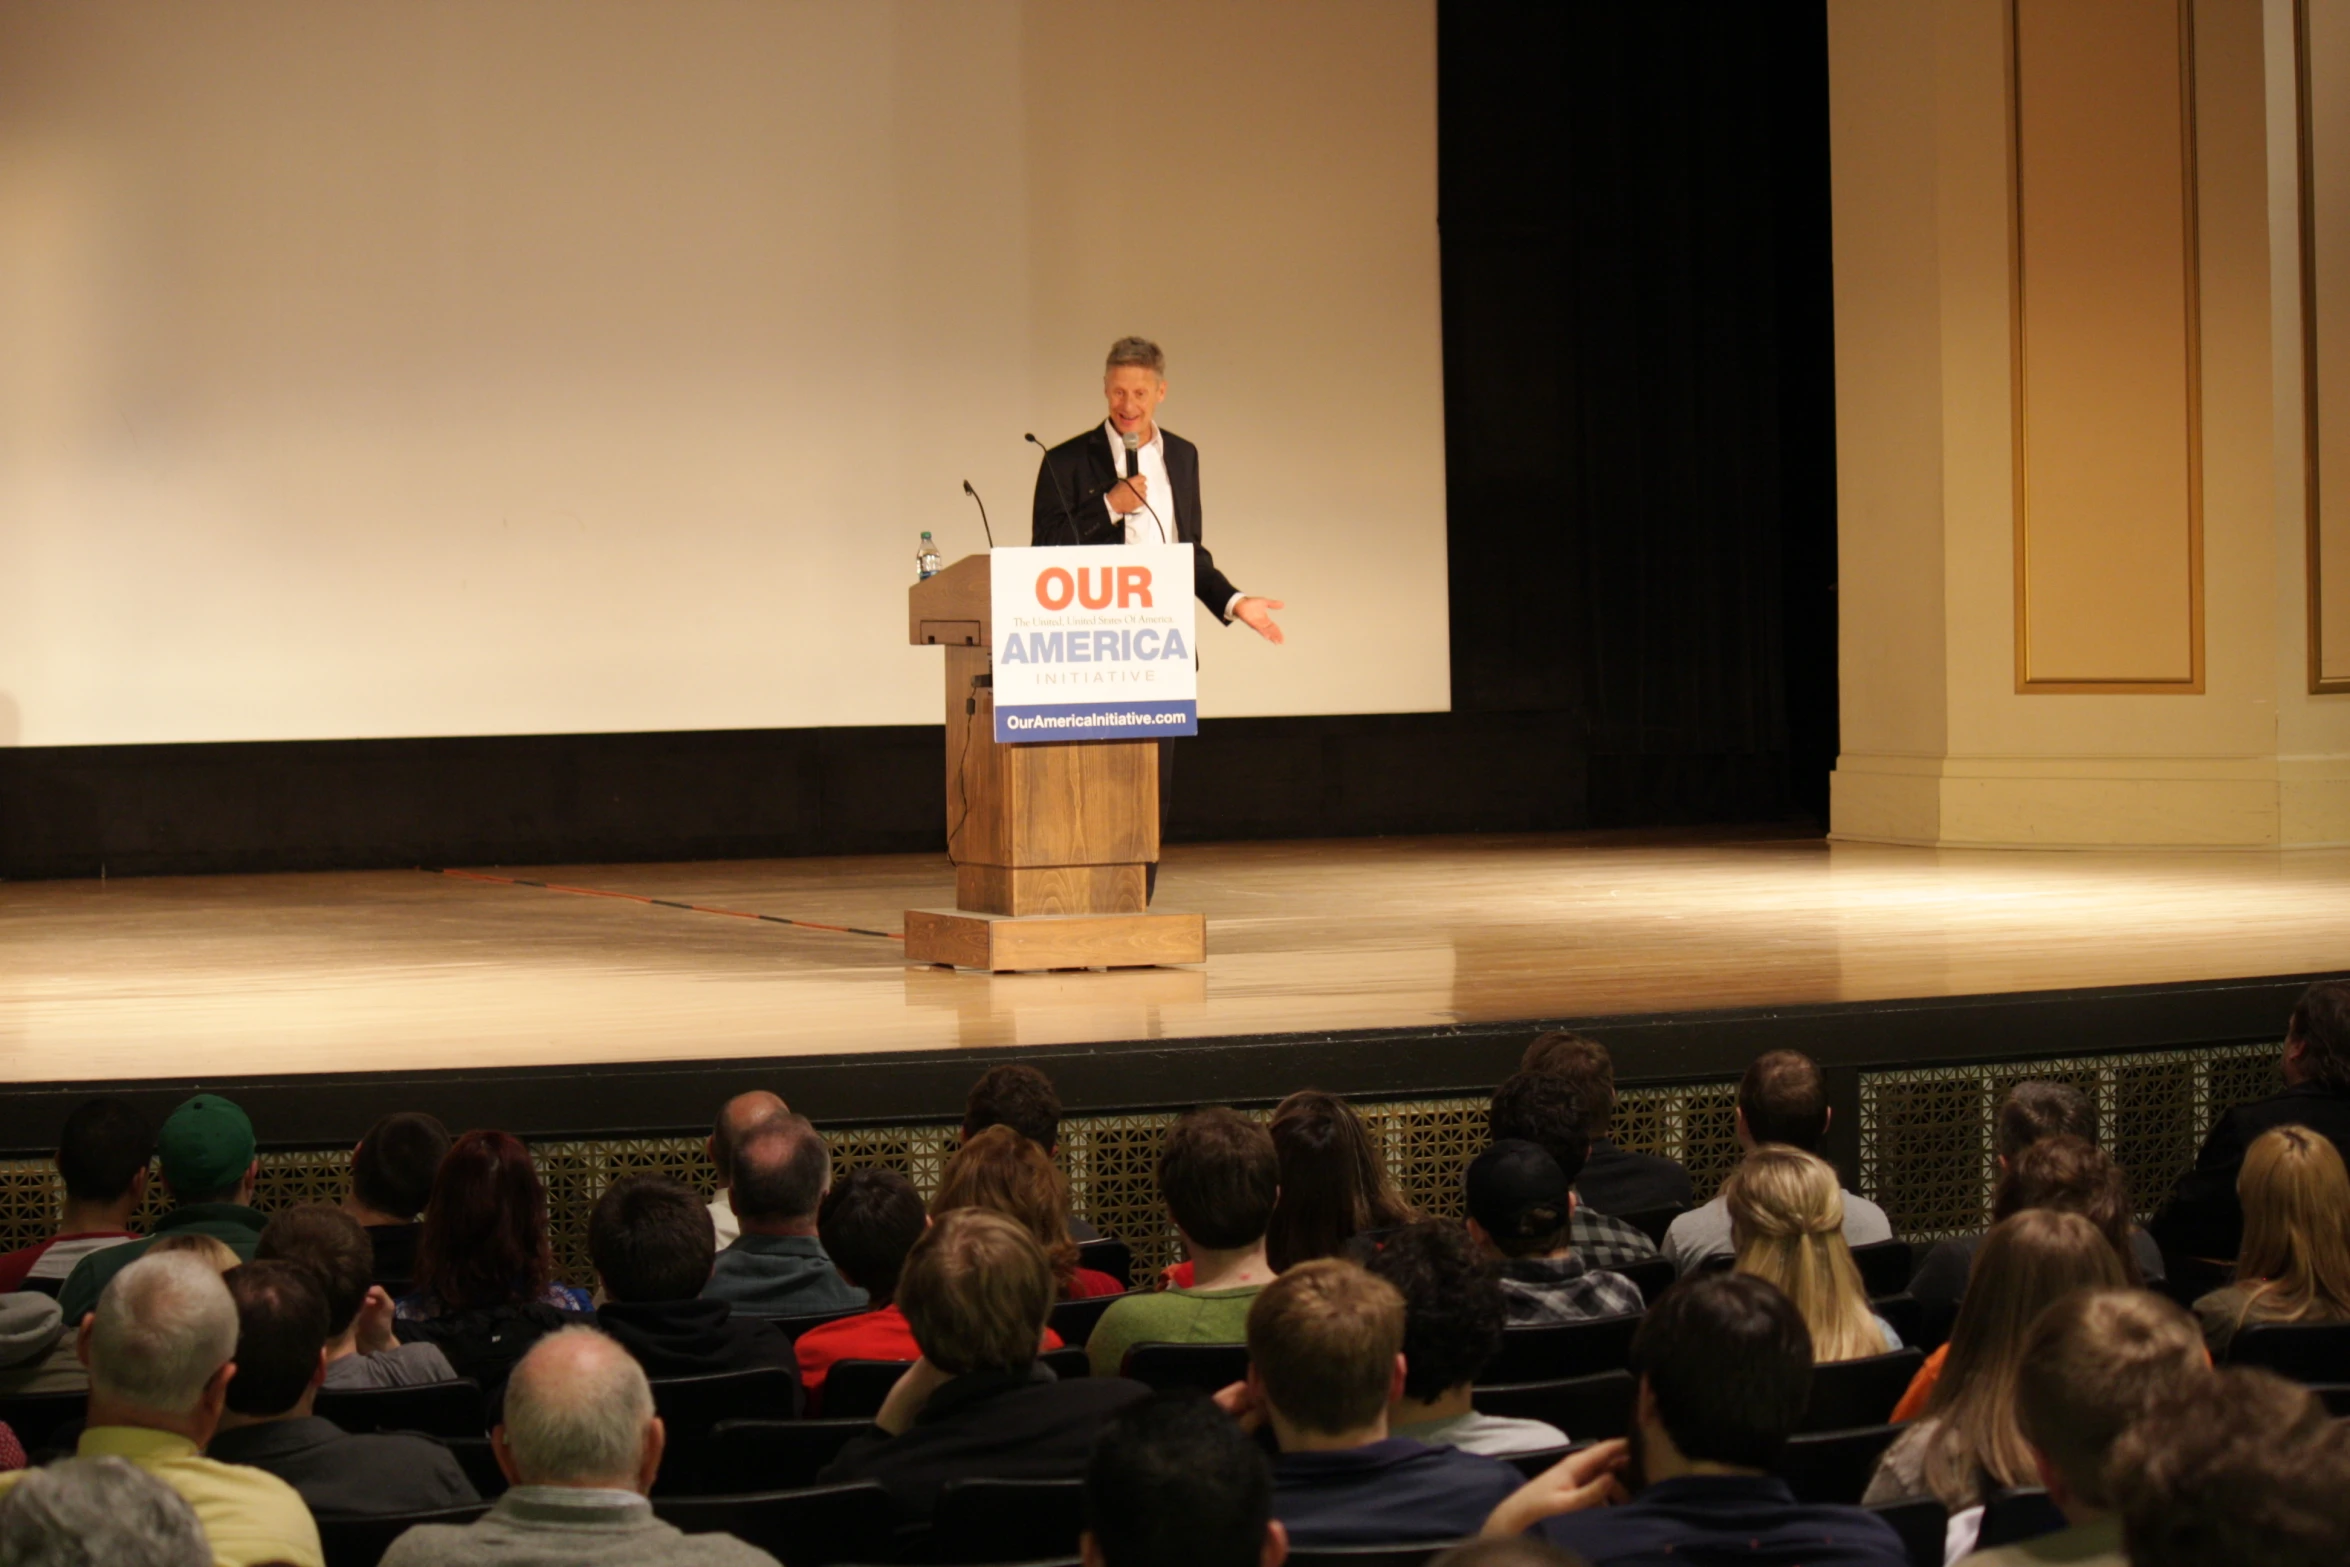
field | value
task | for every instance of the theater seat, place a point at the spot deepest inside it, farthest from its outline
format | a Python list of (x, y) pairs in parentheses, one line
[(691, 1408), (1652, 1276), (1591, 1408), (361, 1542), (1884, 1266), (1835, 1466), (1074, 1319), (34, 1417), (776, 1455), (1848, 1393), (1653, 1222), (812, 1526), (435, 1408), (1415, 1555), (1112, 1257), (1203, 1366), (1548, 1351), (2312, 1352), (994, 1520), (2013, 1516), (856, 1388), (1922, 1525)]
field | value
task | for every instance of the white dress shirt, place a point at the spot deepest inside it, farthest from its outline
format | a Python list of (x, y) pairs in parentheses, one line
[(1154, 521)]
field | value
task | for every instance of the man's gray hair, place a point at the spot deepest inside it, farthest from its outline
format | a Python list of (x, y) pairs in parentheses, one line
[(576, 1410), (165, 1325), (98, 1512), (1140, 351)]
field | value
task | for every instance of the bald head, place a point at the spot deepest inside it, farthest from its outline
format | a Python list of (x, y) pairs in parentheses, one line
[(579, 1413), (737, 1119)]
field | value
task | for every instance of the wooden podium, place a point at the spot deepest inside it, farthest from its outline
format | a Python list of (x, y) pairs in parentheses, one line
[(1051, 839)]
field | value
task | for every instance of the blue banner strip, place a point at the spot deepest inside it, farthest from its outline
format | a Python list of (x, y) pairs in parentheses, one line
[(1026, 725)]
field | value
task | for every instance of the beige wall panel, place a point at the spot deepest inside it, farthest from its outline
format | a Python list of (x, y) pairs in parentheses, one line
[(2107, 541), (2325, 86)]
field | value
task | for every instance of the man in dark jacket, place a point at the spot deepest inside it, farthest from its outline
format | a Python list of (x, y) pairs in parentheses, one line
[(280, 1361), (2203, 1217), (976, 1291), (653, 1242), (207, 1151)]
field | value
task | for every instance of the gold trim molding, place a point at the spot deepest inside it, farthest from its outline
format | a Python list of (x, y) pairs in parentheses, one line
[(2305, 117), (2025, 683)]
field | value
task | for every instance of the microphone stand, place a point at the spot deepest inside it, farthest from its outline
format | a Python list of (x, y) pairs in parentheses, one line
[(1068, 512)]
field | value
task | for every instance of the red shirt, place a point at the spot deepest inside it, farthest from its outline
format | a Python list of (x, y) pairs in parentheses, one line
[(869, 1335), (1091, 1282)]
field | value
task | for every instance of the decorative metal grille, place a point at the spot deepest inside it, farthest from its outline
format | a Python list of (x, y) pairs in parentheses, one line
[(1925, 1148)]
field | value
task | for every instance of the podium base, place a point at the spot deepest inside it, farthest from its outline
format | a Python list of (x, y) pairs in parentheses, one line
[(1004, 943)]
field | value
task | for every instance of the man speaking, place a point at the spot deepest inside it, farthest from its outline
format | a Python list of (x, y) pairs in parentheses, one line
[(1130, 482)]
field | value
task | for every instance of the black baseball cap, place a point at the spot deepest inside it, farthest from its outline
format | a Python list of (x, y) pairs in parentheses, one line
[(1517, 1191)]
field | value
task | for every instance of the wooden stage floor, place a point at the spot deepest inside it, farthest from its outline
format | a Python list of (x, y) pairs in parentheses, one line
[(253, 975)]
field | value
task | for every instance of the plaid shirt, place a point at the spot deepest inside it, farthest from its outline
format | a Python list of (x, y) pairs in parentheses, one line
[(1563, 1289), (1605, 1242)]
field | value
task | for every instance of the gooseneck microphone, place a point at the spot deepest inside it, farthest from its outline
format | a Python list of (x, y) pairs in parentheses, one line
[(974, 494), (1068, 512)]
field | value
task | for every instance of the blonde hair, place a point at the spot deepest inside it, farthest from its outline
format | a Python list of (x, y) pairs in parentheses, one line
[(2295, 1262), (2027, 1263), (210, 1250), (1005, 1172), (1787, 1222)]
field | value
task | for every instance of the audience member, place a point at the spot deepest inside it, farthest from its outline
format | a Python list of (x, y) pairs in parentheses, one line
[(2237, 1467), (653, 1245), (36, 1352), (777, 1266), (392, 1172), (976, 1290), (1003, 1170), (1783, 1098), (102, 1156), (1614, 1180), (2295, 1265), (210, 1250), (2202, 1218), (2031, 1114), (270, 1422), (870, 1219), (736, 1120), (485, 1274), (1219, 1177), (1023, 1099), (206, 1151), (1547, 1110), (1787, 1223), (581, 1445), (362, 1350), (1965, 1437), (2092, 1364), (1453, 1311), (1521, 1209), (1333, 1185), (1513, 1550), (160, 1346), (1724, 1363), (1173, 1483), (98, 1512), (1325, 1348)]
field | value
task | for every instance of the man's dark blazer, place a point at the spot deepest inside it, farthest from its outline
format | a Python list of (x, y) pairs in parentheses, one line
[(342, 1475), (2203, 1217), (1076, 475)]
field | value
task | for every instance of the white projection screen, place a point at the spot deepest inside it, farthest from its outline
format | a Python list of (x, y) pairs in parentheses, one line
[(463, 367)]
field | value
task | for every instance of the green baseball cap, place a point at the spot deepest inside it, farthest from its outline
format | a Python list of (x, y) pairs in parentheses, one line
[(205, 1146)]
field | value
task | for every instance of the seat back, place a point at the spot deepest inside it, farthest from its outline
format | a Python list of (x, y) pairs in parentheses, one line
[(435, 1408), (1904, 1316), (812, 1526), (1653, 1222), (690, 1406), (1922, 1525), (996, 1520), (1068, 1361), (2312, 1352), (1545, 1352), (1848, 1393), (1074, 1319), (1113, 1257), (1827, 1467), (2013, 1516), (1415, 1554), (793, 1327), (775, 1455), (1536, 1460), (361, 1542), (857, 1387), (1884, 1266), (34, 1417), (475, 1457), (1203, 1366), (1591, 1408), (1652, 1276)]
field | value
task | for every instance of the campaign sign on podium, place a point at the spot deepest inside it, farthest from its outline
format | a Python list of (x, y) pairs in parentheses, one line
[(1093, 642)]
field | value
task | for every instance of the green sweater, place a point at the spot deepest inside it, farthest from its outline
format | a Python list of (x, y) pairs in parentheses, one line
[(1169, 1317), (233, 1223)]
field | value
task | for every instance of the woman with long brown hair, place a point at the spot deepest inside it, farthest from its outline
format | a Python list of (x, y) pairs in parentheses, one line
[(1001, 1170), (1787, 1225), (1334, 1185), (1967, 1440), (2295, 1265), (485, 1273)]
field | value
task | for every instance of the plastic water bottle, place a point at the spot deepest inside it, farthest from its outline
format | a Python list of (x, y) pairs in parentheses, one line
[(926, 556)]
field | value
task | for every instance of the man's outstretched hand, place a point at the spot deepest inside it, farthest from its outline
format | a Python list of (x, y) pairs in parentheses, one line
[(1590, 1478), (1257, 615)]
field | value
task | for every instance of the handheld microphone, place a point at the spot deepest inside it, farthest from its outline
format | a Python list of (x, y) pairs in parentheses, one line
[(1133, 440), (974, 494), (1068, 513)]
